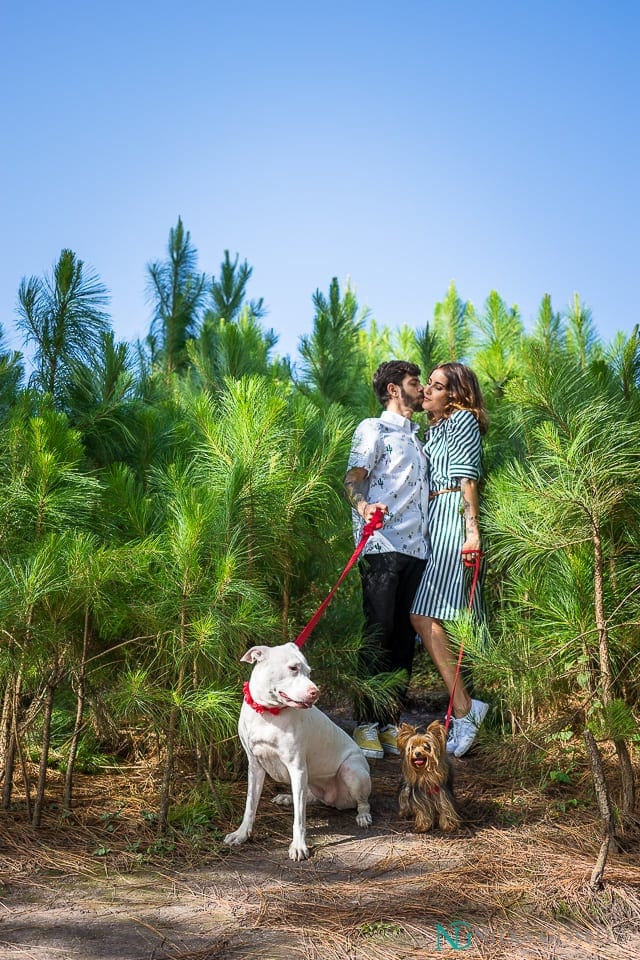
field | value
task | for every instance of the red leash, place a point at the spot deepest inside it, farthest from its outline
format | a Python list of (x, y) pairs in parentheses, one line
[(476, 573), (374, 524)]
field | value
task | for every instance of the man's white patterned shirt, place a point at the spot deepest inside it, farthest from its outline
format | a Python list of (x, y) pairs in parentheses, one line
[(388, 448)]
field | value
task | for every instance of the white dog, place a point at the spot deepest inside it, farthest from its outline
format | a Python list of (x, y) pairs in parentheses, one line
[(284, 735)]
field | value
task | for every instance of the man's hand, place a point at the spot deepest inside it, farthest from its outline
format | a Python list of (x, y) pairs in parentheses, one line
[(356, 484), (367, 510)]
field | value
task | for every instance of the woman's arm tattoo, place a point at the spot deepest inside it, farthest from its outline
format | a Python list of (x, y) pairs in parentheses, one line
[(469, 491)]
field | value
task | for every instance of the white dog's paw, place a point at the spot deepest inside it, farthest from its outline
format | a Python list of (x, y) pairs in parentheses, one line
[(236, 838), (364, 820), (298, 851), (283, 799)]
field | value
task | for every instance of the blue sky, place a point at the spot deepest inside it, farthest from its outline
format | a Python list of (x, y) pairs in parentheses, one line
[(401, 145)]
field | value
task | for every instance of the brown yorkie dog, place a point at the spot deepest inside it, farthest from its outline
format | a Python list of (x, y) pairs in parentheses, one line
[(425, 792)]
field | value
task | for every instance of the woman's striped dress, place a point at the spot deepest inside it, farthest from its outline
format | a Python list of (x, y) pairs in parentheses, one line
[(453, 449)]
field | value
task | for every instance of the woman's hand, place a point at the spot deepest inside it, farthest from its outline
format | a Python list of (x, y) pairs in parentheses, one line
[(471, 548)]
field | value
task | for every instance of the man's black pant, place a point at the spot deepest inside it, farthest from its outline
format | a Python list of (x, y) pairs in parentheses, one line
[(389, 583)]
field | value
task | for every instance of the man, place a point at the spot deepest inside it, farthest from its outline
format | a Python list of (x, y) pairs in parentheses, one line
[(387, 471)]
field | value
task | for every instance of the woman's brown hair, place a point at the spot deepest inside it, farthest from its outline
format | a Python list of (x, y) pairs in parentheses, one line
[(464, 392)]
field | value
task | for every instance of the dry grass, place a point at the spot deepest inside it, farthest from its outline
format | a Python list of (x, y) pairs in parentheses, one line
[(506, 888), (518, 875), (111, 828)]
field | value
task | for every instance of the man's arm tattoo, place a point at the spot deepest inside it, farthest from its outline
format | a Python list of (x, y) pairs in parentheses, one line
[(356, 487)]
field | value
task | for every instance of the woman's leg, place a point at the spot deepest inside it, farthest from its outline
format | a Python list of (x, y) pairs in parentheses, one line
[(436, 643)]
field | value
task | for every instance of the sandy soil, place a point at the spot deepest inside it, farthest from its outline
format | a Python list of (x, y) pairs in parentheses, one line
[(515, 880)]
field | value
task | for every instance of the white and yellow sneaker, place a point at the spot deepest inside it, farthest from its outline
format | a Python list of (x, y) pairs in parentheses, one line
[(366, 736), (389, 740)]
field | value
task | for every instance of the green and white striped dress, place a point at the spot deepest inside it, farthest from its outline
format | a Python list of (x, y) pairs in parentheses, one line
[(454, 450)]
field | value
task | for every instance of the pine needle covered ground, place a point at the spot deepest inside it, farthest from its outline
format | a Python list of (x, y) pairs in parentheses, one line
[(513, 883)]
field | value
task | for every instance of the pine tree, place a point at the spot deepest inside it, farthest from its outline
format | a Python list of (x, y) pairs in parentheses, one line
[(11, 375), (498, 339), (582, 341), (102, 399), (63, 316), (452, 319), (333, 367), (563, 526), (228, 294), (177, 292)]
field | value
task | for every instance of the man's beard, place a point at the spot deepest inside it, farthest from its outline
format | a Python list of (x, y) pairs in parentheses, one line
[(414, 403)]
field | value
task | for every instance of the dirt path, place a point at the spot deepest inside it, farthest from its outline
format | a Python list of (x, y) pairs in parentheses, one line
[(513, 883)]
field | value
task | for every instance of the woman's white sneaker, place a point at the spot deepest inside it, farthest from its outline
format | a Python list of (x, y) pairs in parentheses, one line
[(466, 728)]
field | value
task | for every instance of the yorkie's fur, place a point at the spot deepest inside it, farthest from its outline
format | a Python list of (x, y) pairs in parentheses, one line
[(426, 792)]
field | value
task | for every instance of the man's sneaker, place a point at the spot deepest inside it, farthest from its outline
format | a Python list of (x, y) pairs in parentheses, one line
[(389, 740), (466, 728), (452, 742), (366, 736)]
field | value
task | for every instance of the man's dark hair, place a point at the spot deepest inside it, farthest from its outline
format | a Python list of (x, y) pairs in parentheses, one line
[(392, 371)]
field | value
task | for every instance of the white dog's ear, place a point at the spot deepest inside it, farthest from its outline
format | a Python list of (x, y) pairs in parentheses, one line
[(254, 655)]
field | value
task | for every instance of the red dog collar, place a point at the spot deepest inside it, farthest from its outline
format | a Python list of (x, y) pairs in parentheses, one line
[(258, 707)]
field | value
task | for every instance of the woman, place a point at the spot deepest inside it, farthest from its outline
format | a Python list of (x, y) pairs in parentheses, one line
[(453, 402)]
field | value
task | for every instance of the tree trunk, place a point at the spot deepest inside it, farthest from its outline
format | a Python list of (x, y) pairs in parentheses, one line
[(25, 775), (9, 764), (44, 756), (80, 699), (211, 761), (627, 782), (602, 796), (250, 525), (601, 623), (286, 601), (5, 723), (14, 688), (165, 788)]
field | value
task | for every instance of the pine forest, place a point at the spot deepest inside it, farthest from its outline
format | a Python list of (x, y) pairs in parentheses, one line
[(168, 503)]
